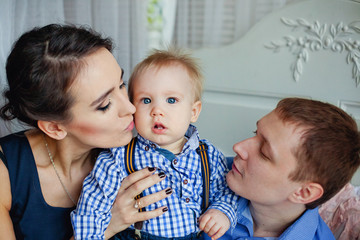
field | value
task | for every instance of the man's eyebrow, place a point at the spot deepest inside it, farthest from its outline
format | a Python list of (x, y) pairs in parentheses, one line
[(266, 141), (101, 98)]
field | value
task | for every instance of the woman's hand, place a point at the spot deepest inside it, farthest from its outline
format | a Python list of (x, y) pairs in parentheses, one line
[(124, 212)]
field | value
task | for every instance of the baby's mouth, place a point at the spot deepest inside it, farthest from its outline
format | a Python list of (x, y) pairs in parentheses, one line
[(159, 126)]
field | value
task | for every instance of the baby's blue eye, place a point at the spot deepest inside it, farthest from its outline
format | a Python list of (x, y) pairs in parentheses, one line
[(171, 100), (146, 100)]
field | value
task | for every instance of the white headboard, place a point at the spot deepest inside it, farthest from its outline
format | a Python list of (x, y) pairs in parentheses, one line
[(308, 49)]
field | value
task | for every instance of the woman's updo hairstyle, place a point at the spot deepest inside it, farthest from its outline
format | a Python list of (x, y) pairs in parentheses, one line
[(41, 68)]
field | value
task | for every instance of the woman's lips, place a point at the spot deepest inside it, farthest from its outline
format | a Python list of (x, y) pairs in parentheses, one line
[(130, 126)]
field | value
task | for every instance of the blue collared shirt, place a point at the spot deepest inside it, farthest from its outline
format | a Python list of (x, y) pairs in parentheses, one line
[(183, 175), (309, 226)]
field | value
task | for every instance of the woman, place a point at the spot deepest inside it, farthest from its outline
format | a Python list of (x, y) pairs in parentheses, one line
[(66, 84)]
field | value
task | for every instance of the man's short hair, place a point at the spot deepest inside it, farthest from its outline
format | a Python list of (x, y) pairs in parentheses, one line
[(328, 152)]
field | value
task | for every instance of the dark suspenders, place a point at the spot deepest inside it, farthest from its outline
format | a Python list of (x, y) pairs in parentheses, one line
[(130, 168), (202, 150)]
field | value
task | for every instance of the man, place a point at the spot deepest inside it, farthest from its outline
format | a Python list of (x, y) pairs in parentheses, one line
[(302, 154)]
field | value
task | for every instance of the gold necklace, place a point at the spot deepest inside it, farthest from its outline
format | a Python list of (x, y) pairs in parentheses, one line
[(57, 173)]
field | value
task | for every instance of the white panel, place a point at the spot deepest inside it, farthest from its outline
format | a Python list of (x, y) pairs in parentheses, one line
[(245, 80), (352, 108), (229, 116)]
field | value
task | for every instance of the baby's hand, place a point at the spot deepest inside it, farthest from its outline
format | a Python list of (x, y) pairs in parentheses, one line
[(214, 223)]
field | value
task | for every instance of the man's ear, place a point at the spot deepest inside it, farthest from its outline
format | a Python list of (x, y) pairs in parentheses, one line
[(307, 193), (195, 112), (52, 129)]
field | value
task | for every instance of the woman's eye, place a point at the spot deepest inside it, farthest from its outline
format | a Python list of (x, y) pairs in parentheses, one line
[(122, 85), (171, 100), (146, 100), (104, 108)]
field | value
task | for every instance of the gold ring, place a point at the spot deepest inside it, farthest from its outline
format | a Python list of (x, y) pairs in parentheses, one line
[(137, 204)]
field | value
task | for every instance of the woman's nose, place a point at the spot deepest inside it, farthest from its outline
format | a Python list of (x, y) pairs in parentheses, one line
[(125, 106)]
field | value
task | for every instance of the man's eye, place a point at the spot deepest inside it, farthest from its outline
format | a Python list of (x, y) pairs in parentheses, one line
[(171, 100), (264, 156), (146, 100)]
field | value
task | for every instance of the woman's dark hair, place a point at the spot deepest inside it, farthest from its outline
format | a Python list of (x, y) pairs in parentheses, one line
[(41, 68)]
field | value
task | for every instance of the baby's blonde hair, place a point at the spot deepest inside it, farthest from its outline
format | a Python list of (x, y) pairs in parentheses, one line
[(165, 58)]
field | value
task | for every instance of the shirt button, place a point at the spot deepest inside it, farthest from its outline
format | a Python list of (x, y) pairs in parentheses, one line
[(175, 161), (187, 200), (146, 148), (153, 145), (185, 181)]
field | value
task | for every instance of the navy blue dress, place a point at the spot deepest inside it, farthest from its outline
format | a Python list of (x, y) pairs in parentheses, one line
[(32, 217)]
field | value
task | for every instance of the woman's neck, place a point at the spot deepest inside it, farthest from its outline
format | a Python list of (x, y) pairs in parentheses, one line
[(68, 156), (61, 165)]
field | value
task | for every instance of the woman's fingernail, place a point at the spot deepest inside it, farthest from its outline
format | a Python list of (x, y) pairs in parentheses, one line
[(151, 169), (165, 209), (161, 175), (168, 191)]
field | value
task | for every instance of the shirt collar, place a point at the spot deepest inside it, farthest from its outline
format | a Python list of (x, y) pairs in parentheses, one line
[(306, 224)]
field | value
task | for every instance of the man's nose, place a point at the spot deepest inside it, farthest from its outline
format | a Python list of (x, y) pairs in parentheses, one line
[(243, 148)]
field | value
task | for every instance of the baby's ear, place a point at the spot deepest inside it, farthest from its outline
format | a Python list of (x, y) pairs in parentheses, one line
[(52, 129), (307, 193), (195, 112)]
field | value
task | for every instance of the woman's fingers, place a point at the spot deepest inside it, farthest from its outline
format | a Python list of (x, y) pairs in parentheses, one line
[(142, 216), (150, 199), (155, 197), (139, 181), (124, 211), (136, 176)]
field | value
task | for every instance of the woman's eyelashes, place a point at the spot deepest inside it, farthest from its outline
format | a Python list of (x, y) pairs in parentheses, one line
[(106, 107), (122, 85)]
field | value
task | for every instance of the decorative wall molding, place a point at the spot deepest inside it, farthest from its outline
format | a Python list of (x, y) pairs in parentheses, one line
[(334, 37), (243, 98), (352, 108)]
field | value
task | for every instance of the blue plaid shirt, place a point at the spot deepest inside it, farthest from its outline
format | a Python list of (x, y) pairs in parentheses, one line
[(183, 175)]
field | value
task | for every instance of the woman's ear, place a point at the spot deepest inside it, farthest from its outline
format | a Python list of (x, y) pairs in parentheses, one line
[(195, 112), (52, 129), (307, 193)]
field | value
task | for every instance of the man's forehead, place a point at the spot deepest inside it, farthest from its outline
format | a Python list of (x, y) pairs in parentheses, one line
[(267, 118), (282, 138)]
